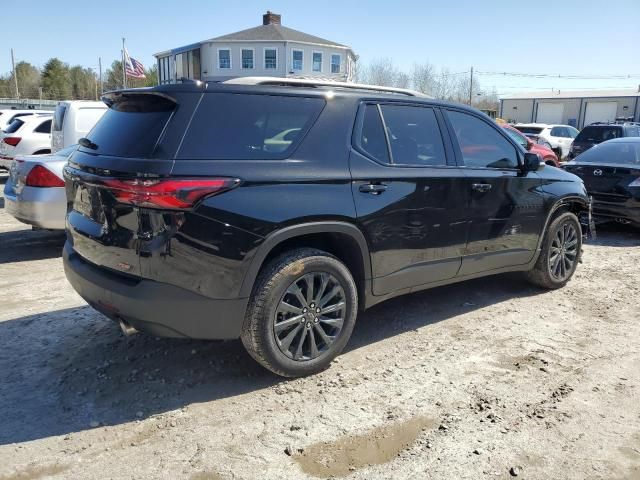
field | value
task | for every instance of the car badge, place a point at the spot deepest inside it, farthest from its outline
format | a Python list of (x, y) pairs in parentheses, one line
[(597, 172)]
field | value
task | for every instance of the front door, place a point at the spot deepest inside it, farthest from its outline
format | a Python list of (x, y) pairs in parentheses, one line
[(408, 195), (506, 210)]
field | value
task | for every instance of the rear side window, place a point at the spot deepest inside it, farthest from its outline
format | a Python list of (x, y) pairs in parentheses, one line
[(481, 145), (58, 117), (14, 126), (414, 135), (132, 126), (235, 126), (372, 139), (597, 134), (44, 127), (86, 118)]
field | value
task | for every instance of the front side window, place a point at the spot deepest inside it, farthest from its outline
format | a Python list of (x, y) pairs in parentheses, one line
[(247, 58), (336, 61), (297, 56), (248, 127), (372, 138), (270, 58), (414, 135), (560, 132), (224, 59), (573, 132), (317, 61), (481, 145)]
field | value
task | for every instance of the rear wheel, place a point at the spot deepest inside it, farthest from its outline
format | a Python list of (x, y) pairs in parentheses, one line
[(560, 254), (301, 314)]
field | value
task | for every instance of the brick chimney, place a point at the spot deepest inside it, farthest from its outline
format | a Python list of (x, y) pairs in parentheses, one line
[(271, 18)]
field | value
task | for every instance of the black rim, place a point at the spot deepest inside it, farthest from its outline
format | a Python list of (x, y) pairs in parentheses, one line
[(564, 252), (310, 316)]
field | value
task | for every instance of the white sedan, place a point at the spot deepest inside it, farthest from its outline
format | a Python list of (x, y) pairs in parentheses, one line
[(559, 137), (34, 193)]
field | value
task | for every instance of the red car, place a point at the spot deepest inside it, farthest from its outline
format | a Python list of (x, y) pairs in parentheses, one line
[(547, 155)]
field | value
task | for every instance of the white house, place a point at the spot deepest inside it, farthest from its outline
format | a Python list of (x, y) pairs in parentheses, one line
[(267, 50)]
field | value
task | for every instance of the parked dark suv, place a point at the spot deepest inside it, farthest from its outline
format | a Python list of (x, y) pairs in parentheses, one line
[(601, 132), (275, 212)]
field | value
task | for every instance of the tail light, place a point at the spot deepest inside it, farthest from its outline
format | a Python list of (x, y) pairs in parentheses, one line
[(13, 141), (170, 193), (635, 183), (39, 176)]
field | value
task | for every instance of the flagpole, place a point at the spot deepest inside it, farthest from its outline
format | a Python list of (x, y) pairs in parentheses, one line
[(124, 75)]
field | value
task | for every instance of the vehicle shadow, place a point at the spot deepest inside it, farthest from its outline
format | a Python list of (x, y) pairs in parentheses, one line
[(67, 370), (613, 234), (25, 245)]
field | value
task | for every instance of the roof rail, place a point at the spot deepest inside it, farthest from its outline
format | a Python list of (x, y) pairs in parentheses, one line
[(306, 82)]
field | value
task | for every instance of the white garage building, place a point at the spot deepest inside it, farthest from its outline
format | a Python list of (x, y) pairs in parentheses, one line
[(576, 108)]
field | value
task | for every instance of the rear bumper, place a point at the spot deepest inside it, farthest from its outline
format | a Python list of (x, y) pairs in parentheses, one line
[(5, 162), (40, 207), (155, 308)]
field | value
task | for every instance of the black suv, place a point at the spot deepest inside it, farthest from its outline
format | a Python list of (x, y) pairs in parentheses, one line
[(275, 212), (599, 132)]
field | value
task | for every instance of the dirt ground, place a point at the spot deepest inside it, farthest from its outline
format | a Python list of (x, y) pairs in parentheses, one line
[(487, 379)]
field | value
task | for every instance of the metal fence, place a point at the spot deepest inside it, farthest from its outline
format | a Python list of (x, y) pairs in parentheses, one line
[(24, 103)]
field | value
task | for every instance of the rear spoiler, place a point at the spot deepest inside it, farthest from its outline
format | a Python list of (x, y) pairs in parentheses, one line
[(111, 98)]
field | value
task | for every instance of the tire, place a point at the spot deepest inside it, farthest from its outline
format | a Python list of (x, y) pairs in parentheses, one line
[(560, 253), (281, 296)]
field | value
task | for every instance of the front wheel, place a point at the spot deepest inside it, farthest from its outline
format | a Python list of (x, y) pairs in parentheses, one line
[(301, 314), (560, 254)]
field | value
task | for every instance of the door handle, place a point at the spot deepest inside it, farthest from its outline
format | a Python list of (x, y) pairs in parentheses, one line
[(373, 188), (481, 187)]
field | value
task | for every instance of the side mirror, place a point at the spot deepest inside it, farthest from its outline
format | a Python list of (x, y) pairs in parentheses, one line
[(531, 162)]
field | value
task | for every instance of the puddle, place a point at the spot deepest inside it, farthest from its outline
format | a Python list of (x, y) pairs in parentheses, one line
[(341, 457)]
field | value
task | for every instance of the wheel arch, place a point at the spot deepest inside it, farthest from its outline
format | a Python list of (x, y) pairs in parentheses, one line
[(341, 239), (44, 151)]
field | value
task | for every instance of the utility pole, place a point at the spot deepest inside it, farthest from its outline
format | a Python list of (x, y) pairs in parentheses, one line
[(15, 74), (471, 87), (100, 73), (124, 74), (40, 94)]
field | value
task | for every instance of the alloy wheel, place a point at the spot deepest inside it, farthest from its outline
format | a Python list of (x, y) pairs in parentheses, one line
[(563, 252), (310, 316)]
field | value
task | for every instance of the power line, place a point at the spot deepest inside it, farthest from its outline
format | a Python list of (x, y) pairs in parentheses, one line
[(568, 77)]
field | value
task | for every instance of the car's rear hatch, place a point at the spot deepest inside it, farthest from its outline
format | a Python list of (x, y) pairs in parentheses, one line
[(131, 143)]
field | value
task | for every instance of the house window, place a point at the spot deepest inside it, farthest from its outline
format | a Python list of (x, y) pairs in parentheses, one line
[(224, 58), (317, 61), (336, 60), (247, 58), (297, 62), (270, 58)]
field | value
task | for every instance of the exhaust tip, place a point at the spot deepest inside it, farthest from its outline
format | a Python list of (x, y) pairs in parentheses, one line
[(126, 328)]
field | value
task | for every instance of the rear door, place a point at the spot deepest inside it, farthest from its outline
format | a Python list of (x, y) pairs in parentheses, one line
[(506, 211), (409, 195), (130, 144)]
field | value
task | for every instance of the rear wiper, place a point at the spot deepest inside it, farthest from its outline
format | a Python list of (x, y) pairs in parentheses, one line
[(86, 143)]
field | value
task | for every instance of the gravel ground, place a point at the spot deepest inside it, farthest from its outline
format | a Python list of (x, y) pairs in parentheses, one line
[(486, 379)]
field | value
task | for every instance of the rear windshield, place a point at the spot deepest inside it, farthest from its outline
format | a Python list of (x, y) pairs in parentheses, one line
[(14, 126), (58, 117), (131, 127), (617, 153), (530, 130), (598, 134), (234, 126)]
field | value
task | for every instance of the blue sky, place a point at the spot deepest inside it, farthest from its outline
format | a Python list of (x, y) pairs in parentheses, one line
[(554, 37)]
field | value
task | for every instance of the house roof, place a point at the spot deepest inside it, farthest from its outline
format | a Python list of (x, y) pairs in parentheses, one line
[(546, 94), (273, 33)]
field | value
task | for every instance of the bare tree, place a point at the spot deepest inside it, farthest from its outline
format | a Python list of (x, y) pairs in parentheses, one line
[(382, 71), (423, 78)]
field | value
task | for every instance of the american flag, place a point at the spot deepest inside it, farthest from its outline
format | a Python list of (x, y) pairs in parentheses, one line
[(132, 67)]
